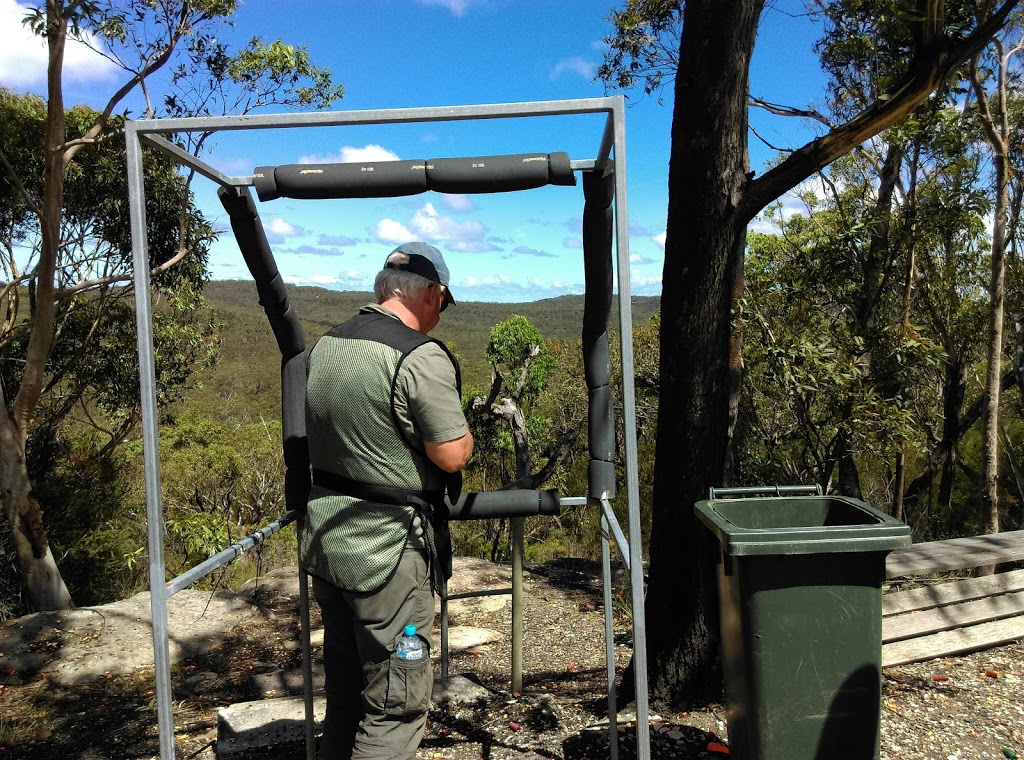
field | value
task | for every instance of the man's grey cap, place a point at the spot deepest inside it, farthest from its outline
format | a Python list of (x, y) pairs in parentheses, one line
[(424, 260)]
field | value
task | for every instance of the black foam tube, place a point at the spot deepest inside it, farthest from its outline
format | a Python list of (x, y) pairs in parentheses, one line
[(291, 340), (498, 174), (385, 179), (598, 191), (372, 179), (512, 503), (601, 433)]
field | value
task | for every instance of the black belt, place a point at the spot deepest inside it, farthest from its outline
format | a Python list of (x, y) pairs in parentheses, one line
[(379, 494)]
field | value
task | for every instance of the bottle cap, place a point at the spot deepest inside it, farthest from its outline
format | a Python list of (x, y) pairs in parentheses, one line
[(410, 630)]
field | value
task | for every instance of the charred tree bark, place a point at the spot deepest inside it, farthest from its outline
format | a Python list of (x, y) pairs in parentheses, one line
[(704, 255)]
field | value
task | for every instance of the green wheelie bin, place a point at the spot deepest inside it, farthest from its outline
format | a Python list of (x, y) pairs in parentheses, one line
[(800, 593)]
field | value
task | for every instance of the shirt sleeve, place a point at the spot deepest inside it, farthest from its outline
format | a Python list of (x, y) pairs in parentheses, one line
[(427, 400)]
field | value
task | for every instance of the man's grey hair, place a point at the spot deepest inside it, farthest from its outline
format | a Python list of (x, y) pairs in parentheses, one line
[(398, 283)]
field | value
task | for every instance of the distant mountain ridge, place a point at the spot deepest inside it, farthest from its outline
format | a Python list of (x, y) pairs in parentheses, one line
[(245, 384)]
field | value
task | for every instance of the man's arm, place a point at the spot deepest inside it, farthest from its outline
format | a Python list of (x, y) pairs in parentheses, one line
[(450, 456)]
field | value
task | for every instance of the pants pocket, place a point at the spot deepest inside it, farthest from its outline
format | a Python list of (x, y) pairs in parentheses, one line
[(398, 687), (409, 684)]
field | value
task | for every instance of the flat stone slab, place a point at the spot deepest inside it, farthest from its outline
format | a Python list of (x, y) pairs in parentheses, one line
[(246, 728), (458, 690), (463, 637), (76, 646), (283, 683)]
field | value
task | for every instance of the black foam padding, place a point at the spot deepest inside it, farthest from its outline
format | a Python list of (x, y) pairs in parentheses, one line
[(291, 340), (485, 505), (600, 424), (560, 170), (597, 366), (296, 487), (265, 183), (492, 174), (601, 477), (371, 179), (598, 191), (293, 411), (387, 179)]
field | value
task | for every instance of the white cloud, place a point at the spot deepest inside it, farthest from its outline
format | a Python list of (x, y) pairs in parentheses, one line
[(456, 7), (660, 240), (580, 66), (646, 286), (278, 230), (472, 246), (323, 279), (571, 242), (390, 231), (23, 55), (637, 259), (458, 202), (349, 154), (279, 226), (430, 226)]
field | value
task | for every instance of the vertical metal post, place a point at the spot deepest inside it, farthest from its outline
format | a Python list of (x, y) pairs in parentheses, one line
[(150, 441), (636, 568), (517, 604), (444, 638), (307, 659), (609, 638)]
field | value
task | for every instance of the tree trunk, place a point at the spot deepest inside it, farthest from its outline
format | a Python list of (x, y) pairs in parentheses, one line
[(988, 517), (997, 128), (43, 581), (46, 588), (953, 392), (711, 198), (849, 473), (705, 238)]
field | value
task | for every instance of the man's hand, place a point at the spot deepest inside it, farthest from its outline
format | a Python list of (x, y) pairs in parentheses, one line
[(450, 456)]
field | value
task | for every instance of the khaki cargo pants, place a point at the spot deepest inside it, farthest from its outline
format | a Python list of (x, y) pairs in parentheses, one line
[(376, 703)]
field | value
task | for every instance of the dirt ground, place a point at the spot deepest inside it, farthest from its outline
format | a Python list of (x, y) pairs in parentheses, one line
[(968, 708)]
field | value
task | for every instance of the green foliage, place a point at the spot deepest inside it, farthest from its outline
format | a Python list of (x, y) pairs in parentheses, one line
[(514, 344), (644, 46)]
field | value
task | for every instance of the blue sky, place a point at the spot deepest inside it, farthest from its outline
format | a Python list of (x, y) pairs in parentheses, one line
[(413, 53)]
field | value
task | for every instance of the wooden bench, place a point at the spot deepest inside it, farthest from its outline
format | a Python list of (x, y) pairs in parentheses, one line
[(953, 616)]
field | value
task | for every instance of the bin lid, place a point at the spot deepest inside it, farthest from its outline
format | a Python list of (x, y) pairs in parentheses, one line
[(800, 525)]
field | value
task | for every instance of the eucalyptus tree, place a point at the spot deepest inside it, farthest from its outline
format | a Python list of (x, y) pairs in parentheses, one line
[(712, 198), (991, 73), (142, 37), (510, 415)]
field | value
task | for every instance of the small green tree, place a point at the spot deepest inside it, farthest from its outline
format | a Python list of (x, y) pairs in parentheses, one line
[(522, 369)]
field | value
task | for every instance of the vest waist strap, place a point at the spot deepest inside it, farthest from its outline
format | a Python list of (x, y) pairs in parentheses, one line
[(369, 492)]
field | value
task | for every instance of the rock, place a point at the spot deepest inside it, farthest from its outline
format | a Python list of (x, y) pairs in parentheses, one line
[(76, 646)]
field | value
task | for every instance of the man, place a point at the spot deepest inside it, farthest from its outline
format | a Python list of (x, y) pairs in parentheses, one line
[(386, 437)]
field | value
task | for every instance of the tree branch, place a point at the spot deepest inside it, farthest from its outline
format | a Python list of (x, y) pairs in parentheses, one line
[(934, 59)]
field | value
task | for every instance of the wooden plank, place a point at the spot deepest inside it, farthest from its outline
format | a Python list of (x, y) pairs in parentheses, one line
[(961, 590), (952, 616), (957, 641), (955, 554)]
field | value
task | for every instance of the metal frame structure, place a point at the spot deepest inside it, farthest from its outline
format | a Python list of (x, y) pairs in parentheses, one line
[(610, 159)]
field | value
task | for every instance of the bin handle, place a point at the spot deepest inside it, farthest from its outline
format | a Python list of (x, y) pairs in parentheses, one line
[(717, 493)]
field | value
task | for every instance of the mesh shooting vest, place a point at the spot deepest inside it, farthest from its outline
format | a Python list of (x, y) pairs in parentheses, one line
[(369, 478)]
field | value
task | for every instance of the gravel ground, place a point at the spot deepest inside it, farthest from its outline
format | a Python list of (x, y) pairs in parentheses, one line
[(964, 708)]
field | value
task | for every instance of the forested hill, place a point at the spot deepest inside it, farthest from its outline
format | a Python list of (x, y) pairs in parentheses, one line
[(245, 382)]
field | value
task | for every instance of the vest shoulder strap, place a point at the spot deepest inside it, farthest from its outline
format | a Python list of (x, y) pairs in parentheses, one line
[(394, 333)]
